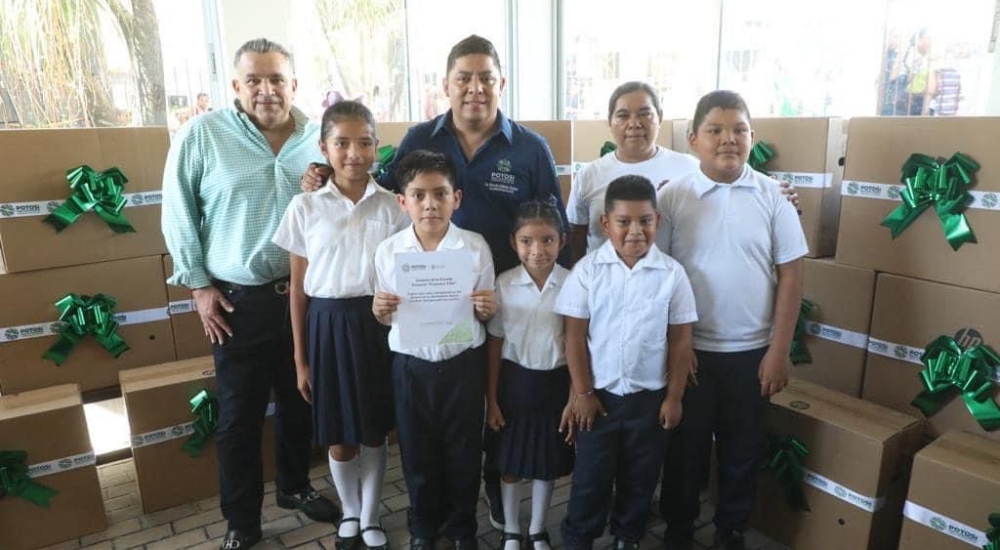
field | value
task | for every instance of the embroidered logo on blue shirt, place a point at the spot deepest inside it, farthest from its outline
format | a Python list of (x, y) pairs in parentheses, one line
[(502, 180)]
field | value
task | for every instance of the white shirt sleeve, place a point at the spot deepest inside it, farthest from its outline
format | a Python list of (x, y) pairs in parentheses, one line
[(574, 297), (665, 231), (577, 209), (290, 234), (495, 325), (682, 306), (487, 278), (788, 242), (384, 267)]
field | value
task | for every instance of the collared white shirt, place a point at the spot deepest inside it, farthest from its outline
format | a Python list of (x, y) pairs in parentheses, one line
[(339, 237), (532, 332), (455, 239), (629, 312), (586, 195), (730, 237)]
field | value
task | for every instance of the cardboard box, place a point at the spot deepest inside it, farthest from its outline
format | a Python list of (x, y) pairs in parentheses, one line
[(391, 133), (189, 334), (28, 324), (49, 425), (157, 402), (838, 327), (856, 472), (908, 315), (877, 149), (35, 163), (954, 488), (559, 135)]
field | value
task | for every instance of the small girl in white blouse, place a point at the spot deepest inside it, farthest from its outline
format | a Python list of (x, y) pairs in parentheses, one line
[(528, 381)]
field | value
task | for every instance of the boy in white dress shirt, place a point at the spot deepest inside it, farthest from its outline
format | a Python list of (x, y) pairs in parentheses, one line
[(439, 390), (741, 244), (628, 311)]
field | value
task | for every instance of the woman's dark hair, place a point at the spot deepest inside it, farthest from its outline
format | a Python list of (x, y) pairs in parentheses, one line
[(634, 86)]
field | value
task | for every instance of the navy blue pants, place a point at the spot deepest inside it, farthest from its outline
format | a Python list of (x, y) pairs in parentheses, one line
[(257, 359), (725, 403), (623, 451), (439, 419)]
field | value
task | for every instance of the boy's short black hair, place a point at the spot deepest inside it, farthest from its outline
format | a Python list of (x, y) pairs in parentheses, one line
[(473, 45), (422, 162), (629, 188), (723, 99)]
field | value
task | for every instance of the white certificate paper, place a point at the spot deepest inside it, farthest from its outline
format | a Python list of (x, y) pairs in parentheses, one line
[(435, 307)]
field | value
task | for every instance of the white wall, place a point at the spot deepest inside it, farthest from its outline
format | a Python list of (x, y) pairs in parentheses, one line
[(243, 20), (536, 77)]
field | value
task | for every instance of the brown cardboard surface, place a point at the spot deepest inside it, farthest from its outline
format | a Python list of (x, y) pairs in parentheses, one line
[(858, 445), (805, 145), (189, 334), (876, 151), (957, 476), (391, 133), (559, 135), (913, 313), (49, 425), (589, 136), (843, 298), (157, 398), (35, 163), (29, 298)]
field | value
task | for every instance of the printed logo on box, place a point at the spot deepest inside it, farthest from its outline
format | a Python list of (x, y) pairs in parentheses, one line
[(65, 464), (900, 351), (177, 431), (895, 191), (840, 492), (816, 481), (815, 329), (180, 307), (137, 199), (6, 210), (56, 328), (968, 337), (964, 534), (990, 200), (878, 347), (51, 206), (136, 440), (938, 523), (852, 188), (153, 198), (120, 318), (11, 334), (35, 471)]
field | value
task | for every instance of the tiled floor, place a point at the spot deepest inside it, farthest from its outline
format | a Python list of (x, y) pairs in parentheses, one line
[(199, 526)]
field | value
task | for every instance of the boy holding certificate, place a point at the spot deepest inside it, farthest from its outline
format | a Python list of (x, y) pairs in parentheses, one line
[(439, 388)]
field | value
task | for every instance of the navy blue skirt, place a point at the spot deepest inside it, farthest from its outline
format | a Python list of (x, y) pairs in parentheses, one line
[(351, 369), (530, 445)]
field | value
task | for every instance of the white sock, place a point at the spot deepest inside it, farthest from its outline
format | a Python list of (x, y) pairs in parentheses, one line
[(509, 495), (345, 479), (541, 498), (372, 476)]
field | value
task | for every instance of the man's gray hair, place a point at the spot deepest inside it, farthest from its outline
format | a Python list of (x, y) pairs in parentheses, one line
[(263, 46)]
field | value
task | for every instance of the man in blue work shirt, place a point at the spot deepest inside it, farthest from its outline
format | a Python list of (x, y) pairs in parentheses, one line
[(500, 164), (229, 177)]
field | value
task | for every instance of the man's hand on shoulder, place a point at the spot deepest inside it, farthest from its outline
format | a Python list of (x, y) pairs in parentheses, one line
[(315, 177), (210, 303)]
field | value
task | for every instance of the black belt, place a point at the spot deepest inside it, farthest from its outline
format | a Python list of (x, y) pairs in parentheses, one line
[(277, 286)]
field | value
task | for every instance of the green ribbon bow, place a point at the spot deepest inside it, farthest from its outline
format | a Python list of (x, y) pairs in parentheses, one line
[(97, 191), (608, 147), (946, 186), (384, 156), (205, 408), (760, 155), (785, 454), (15, 481), (799, 352), (949, 368), (993, 535), (83, 315)]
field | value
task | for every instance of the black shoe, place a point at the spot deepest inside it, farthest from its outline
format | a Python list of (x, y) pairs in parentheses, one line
[(621, 544), (510, 536), (314, 505), (419, 543), (348, 543), (539, 537), (377, 547), (494, 504), (729, 541), (466, 543), (237, 539)]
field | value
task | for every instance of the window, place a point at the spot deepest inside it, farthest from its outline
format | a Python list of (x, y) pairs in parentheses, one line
[(669, 44)]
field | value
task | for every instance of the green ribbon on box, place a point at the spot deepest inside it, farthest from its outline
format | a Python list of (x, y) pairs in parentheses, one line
[(760, 155), (945, 186), (949, 368), (993, 535), (97, 191), (384, 155), (15, 481), (799, 352), (784, 459), (608, 147), (82, 316), (205, 408)]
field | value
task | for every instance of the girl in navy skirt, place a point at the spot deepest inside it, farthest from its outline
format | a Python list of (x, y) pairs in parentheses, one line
[(528, 381), (342, 354)]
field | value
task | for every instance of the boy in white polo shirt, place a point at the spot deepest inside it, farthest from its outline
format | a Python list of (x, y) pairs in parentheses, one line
[(439, 390), (741, 244), (628, 311)]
